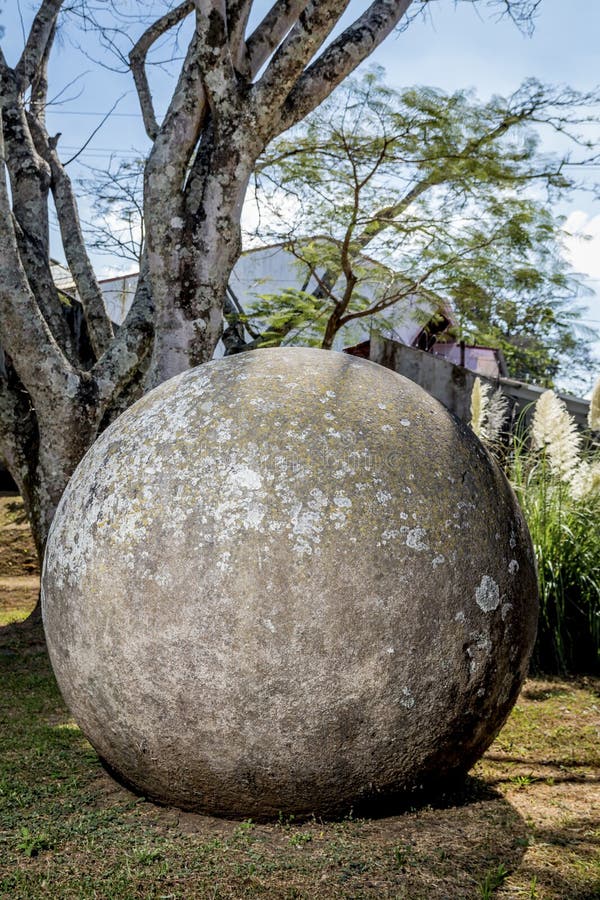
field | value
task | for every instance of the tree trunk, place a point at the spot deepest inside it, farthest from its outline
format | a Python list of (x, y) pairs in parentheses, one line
[(191, 259)]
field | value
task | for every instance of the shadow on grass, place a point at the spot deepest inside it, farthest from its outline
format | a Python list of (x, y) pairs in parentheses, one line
[(65, 831), (570, 762)]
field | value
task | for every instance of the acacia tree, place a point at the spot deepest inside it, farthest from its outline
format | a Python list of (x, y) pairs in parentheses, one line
[(387, 197), (236, 90)]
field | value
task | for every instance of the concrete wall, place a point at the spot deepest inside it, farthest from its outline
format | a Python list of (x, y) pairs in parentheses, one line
[(452, 384), (448, 383)]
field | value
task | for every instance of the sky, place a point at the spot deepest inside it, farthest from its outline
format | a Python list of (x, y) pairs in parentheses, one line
[(459, 45)]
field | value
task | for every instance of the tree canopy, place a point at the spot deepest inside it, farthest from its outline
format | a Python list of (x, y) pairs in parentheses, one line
[(384, 196)]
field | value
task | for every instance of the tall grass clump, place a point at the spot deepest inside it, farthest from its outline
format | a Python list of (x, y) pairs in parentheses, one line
[(555, 472)]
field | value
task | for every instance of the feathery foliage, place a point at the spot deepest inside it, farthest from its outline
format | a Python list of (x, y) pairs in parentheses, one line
[(489, 410), (556, 478), (594, 413)]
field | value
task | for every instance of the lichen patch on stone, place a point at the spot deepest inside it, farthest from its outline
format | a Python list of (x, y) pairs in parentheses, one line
[(415, 539), (487, 594)]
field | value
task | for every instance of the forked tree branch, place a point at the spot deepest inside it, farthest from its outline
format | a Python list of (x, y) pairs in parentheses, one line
[(98, 323), (132, 343), (269, 33), (138, 56), (340, 58), (307, 35)]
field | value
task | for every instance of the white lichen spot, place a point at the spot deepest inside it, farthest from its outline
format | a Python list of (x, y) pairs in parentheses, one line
[(223, 431), (504, 611), (222, 563), (406, 699), (329, 416), (254, 516), (383, 496), (244, 477), (344, 502), (268, 624), (415, 539), (512, 543), (389, 535), (381, 406), (387, 428), (390, 650), (513, 567), (460, 616), (405, 422), (487, 594), (343, 471), (438, 561), (72, 385)]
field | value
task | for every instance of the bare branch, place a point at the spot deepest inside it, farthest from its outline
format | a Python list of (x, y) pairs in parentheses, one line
[(137, 60), (132, 343), (267, 36), (214, 53), (238, 12), (104, 118), (90, 293), (30, 183), (313, 26), (39, 85), (37, 358), (341, 58), (35, 48)]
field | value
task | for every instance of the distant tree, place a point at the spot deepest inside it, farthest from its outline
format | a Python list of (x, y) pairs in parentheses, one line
[(384, 196), (116, 226)]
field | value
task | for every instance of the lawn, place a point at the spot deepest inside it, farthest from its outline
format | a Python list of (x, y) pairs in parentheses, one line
[(525, 825)]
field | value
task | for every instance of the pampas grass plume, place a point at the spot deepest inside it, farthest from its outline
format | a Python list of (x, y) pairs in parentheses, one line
[(553, 431), (594, 413)]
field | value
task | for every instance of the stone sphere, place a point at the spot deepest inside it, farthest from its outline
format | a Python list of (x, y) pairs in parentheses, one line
[(288, 581)]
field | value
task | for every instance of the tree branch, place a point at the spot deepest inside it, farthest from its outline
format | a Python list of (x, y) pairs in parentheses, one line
[(309, 32), (35, 47), (99, 326), (340, 59), (137, 61), (238, 12), (30, 182), (37, 358), (267, 36), (214, 54), (131, 345)]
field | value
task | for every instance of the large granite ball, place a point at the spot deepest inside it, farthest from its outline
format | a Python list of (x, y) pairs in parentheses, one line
[(288, 581)]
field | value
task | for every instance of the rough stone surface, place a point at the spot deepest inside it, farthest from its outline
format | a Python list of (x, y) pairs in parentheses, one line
[(288, 581)]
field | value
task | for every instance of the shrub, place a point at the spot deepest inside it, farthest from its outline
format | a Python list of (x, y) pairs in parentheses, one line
[(555, 473)]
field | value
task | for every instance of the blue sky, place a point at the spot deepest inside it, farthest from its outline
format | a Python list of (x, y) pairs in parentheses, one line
[(457, 46)]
